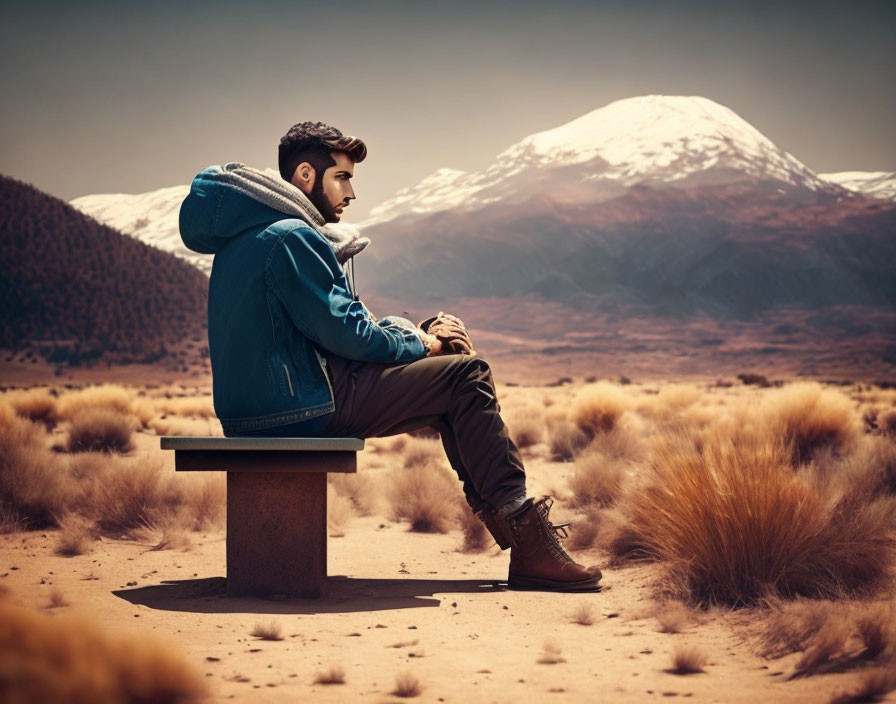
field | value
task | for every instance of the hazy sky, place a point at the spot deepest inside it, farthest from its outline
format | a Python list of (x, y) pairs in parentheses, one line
[(128, 97)]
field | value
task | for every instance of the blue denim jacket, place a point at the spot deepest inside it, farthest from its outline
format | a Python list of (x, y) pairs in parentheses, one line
[(278, 299)]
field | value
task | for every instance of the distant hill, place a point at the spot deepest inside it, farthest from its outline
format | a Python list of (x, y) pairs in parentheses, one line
[(75, 291)]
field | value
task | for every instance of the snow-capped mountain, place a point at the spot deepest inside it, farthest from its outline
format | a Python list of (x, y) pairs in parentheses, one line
[(149, 217), (874, 184), (656, 140)]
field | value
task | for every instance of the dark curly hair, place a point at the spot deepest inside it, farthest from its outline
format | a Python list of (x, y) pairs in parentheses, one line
[(313, 142)]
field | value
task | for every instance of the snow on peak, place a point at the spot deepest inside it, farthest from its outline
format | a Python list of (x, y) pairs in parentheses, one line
[(659, 139), (874, 184)]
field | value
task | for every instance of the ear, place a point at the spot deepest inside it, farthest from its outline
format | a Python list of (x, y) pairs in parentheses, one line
[(303, 177)]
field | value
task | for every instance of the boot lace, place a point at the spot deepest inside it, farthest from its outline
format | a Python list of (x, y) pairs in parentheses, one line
[(552, 531)]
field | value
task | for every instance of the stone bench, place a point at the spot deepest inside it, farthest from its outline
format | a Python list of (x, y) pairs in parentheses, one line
[(276, 506)]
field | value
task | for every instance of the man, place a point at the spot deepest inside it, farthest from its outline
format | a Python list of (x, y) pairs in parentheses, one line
[(295, 353)]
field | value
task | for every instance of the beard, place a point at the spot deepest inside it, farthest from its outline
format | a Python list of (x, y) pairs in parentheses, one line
[(320, 201)]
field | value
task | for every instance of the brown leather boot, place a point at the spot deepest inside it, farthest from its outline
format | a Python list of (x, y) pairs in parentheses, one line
[(537, 561)]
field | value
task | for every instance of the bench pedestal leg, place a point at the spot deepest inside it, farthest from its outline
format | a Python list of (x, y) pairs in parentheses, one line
[(276, 533)]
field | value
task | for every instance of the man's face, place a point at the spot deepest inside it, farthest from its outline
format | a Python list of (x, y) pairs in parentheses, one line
[(332, 191)]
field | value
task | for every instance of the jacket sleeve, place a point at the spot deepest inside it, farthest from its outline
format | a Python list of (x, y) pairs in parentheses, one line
[(305, 277)]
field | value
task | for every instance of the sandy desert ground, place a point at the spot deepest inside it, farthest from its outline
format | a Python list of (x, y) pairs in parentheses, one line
[(112, 566)]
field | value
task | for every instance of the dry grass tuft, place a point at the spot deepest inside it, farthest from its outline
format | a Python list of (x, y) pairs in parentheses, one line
[(267, 631), (37, 405), (736, 523), (583, 614), (526, 425), (876, 628), (76, 536), (583, 533), (361, 489), (421, 451), (425, 496), (873, 687), (33, 487), (111, 397), (69, 659), (57, 599), (826, 644), (407, 686), (339, 513), (565, 439), (673, 617), (810, 419), (791, 626), (687, 660), (332, 675), (550, 654), (598, 407), (101, 430), (596, 479), (476, 536)]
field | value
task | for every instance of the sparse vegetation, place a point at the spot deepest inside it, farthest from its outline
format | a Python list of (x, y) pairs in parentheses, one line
[(583, 614), (687, 660), (420, 494), (76, 536), (551, 654), (332, 675), (735, 523), (70, 659), (407, 686), (100, 430), (672, 617), (267, 631), (596, 479)]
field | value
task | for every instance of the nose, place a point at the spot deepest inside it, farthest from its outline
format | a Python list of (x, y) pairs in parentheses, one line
[(349, 191)]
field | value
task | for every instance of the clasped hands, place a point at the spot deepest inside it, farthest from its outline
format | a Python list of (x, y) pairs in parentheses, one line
[(445, 334)]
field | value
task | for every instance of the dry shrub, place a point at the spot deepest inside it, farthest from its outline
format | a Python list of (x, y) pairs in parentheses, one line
[(76, 536), (598, 407), (332, 675), (829, 642), (476, 536), (886, 421), (69, 659), (791, 626), (687, 660), (583, 614), (551, 654), (526, 425), (33, 486), (172, 425), (583, 532), (406, 686), (267, 631), (101, 429), (339, 513), (810, 418), (168, 538), (876, 627), (565, 439), (425, 495), (421, 451), (673, 617), (131, 495), (873, 687), (360, 489), (36, 405), (596, 479), (111, 397), (190, 406), (737, 524)]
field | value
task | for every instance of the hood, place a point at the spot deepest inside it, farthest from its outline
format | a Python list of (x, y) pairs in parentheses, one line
[(226, 201)]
